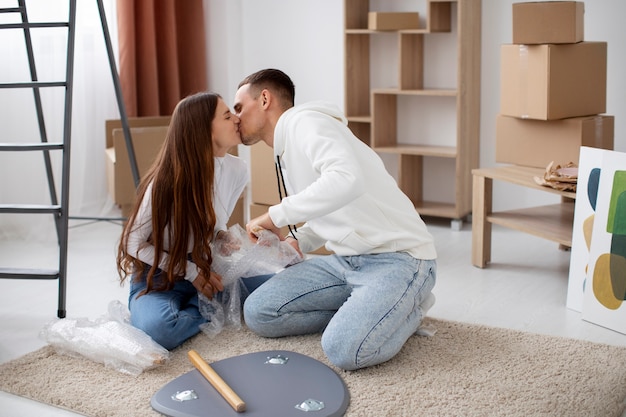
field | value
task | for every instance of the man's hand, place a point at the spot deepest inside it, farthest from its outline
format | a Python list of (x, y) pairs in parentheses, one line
[(208, 287), (263, 222)]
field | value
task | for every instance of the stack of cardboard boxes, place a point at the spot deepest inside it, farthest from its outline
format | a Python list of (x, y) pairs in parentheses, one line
[(553, 88)]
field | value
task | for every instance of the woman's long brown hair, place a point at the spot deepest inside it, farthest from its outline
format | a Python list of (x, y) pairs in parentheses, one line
[(182, 196)]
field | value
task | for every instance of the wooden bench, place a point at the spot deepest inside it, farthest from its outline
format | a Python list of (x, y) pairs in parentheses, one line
[(553, 222)]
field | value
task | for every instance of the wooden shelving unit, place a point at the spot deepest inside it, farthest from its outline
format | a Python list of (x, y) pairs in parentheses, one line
[(552, 222), (372, 111)]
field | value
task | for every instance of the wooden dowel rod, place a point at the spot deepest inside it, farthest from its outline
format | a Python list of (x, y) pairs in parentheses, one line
[(216, 381)]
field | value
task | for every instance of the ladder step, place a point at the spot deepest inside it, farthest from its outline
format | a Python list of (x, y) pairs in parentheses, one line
[(34, 25), (42, 146), (29, 208), (34, 84), (27, 273)]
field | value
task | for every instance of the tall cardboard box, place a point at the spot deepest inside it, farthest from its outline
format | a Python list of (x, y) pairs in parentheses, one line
[(536, 143), (120, 181), (147, 142), (548, 22), (237, 216), (548, 82), (263, 182)]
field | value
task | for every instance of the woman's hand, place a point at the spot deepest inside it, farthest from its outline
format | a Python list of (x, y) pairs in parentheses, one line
[(208, 287), (226, 243), (294, 244)]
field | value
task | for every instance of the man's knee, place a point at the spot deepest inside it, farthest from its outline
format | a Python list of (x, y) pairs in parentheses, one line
[(340, 351), (255, 318)]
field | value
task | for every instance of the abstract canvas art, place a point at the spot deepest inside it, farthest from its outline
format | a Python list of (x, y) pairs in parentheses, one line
[(605, 286), (589, 170)]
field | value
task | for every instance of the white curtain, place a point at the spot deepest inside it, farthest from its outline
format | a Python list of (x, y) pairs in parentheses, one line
[(22, 174)]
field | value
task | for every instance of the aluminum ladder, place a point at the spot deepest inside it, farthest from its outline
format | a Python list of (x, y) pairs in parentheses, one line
[(58, 206)]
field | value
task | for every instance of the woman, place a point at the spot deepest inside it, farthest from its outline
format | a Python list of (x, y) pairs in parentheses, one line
[(183, 204)]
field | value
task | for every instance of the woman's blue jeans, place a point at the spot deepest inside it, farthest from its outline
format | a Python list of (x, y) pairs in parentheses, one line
[(171, 317), (367, 306)]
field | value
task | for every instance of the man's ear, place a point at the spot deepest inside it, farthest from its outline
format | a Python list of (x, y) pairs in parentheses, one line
[(265, 98)]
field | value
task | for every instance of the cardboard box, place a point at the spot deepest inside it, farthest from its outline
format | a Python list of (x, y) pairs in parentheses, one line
[(121, 185), (148, 135), (147, 142), (392, 21), (237, 217), (536, 143), (257, 210), (548, 22), (263, 182), (109, 125), (548, 82)]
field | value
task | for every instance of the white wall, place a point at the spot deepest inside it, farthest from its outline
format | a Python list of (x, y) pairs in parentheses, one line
[(304, 38)]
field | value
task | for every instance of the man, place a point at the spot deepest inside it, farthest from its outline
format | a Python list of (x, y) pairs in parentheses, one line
[(372, 294)]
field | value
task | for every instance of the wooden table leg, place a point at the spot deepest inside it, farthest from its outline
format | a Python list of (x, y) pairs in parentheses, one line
[(481, 228)]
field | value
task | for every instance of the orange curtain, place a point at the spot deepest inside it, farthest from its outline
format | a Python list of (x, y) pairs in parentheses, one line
[(162, 51)]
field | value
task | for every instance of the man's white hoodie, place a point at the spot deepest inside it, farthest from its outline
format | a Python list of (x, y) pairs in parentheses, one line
[(340, 189)]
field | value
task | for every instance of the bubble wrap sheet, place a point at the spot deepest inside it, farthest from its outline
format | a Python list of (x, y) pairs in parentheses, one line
[(238, 257), (110, 340)]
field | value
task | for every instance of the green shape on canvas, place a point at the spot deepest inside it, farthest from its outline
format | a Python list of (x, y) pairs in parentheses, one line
[(616, 222)]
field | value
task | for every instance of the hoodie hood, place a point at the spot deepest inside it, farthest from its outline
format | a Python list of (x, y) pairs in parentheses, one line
[(322, 107)]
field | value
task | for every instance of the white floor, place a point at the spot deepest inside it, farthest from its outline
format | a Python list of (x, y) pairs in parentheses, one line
[(524, 288)]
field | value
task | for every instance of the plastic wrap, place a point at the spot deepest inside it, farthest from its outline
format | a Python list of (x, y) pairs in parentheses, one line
[(236, 257), (110, 340)]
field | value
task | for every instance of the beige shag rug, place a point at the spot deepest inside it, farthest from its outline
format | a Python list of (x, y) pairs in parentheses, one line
[(463, 370)]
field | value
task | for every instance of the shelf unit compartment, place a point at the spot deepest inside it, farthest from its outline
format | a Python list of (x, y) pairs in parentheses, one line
[(411, 69), (439, 16), (410, 168), (361, 129), (427, 133), (384, 126), (355, 14), (357, 77), (437, 209)]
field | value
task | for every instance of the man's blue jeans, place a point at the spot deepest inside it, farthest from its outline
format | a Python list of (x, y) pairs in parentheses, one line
[(367, 306)]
